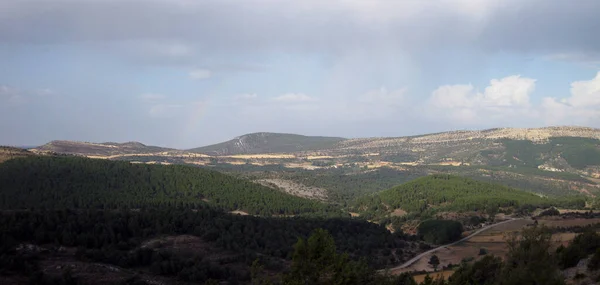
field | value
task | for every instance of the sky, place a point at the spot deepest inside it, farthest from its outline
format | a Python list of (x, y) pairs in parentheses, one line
[(183, 74)]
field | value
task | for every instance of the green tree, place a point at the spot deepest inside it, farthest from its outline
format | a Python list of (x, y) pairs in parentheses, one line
[(529, 261), (434, 261), (315, 261), (312, 258), (482, 272), (594, 263)]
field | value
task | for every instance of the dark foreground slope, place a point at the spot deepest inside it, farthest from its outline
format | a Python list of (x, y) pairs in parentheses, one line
[(69, 220), (269, 143), (179, 244), (72, 182)]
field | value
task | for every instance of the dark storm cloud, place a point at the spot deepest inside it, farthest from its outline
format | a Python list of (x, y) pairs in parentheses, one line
[(545, 26), (549, 26)]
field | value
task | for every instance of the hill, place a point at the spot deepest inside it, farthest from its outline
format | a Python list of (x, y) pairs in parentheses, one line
[(8, 152), (73, 182), (269, 143), (99, 149), (552, 161), (436, 193)]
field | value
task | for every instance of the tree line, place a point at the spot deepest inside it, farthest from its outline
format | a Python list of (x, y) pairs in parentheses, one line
[(81, 183), (439, 192), (115, 237)]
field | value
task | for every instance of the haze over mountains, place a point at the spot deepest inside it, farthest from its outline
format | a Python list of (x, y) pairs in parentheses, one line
[(264, 142)]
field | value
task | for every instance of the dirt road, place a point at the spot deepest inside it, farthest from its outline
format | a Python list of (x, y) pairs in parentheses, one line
[(416, 258)]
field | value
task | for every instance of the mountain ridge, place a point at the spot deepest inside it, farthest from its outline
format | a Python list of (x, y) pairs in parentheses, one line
[(266, 142), (98, 149)]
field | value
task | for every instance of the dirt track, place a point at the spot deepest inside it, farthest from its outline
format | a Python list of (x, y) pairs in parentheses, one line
[(416, 258)]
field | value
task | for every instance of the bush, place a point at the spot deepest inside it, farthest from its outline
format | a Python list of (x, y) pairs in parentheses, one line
[(440, 231), (550, 212), (594, 263), (483, 251)]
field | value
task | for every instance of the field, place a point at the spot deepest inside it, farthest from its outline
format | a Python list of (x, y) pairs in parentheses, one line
[(435, 275), (493, 241)]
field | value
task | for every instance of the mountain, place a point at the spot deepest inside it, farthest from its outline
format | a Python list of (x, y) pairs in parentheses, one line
[(99, 149), (550, 161), (269, 143), (432, 146), (553, 149)]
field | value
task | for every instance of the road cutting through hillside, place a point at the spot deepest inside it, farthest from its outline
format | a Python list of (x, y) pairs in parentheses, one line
[(418, 257)]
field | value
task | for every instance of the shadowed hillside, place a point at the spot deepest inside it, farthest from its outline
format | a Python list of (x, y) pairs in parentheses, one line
[(72, 182)]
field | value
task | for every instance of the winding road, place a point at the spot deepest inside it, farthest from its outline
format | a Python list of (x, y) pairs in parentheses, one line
[(416, 258)]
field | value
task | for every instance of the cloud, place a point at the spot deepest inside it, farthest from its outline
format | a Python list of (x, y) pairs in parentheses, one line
[(502, 99), (591, 60), (294, 98), (582, 107), (199, 74), (246, 97), (11, 95), (44, 92), (182, 28), (151, 97), (507, 101)]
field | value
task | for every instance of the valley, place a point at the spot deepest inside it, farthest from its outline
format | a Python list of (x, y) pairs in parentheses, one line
[(239, 211)]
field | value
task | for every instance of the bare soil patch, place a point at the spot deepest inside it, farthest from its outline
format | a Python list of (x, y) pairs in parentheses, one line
[(295, 189), (568, 222), (435, 275), (238, 212), (262, 156), (398, 213)]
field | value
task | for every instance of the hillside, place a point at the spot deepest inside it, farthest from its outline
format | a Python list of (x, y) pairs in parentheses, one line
[(99, 149), (269, 143), (436, 193), (553, 161), (72, 182), (536, 135), (7, 152)]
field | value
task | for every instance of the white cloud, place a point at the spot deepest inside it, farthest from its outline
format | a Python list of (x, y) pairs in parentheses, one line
[(502, 99), (506, 101), (582, 107), (199, 74), (585, 93), (509, 92), (151, 97), (294, 98)]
